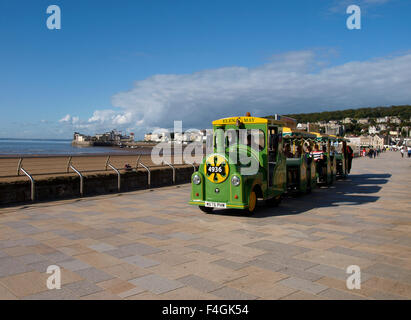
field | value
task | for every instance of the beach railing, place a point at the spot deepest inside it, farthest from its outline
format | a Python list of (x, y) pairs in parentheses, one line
[(44, 167)]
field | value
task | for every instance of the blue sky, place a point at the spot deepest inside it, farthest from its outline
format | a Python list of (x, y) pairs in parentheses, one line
[(138, 65)]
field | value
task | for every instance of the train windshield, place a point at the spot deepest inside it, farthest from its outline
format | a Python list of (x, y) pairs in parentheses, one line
[(254, 138)]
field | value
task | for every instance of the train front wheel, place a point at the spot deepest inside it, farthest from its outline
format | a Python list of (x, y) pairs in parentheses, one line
[(252, 203)]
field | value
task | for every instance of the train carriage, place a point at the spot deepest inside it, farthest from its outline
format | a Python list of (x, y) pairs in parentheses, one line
[(342, 157), (301, 171), (326, 167)]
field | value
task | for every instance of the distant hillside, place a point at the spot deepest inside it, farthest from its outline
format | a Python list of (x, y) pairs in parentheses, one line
[(403, 112)]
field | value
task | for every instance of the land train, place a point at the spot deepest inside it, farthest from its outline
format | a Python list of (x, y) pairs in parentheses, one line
[(260, 158)]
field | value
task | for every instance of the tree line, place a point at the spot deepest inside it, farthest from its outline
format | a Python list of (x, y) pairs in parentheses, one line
[(403, 112)]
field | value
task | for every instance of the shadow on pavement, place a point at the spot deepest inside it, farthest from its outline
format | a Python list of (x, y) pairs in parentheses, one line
[(354, 190)]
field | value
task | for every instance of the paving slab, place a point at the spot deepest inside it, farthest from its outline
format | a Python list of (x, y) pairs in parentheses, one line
[(200, 283), (156, 284)]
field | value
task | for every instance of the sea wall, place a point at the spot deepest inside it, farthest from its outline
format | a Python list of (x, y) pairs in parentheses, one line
[(65, 187)]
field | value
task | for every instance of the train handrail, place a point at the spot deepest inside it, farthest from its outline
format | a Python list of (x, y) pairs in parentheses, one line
[(32, 189)]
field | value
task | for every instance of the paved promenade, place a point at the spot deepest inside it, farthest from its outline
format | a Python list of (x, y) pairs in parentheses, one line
[(153, 245)]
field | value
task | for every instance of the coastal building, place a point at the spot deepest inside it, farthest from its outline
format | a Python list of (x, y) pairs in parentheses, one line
[(405, 131), (177, 137), (374, 141), (335, 129), (81, 139), (373, 130), (313, 127), (111, 138), (382, 120), (395, 120), (363, 121), (382, 127), (302, 126)]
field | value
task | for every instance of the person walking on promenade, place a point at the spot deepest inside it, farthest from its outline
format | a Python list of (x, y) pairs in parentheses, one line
[(402, 152), (409, 152), (375, 153), (350, 154)]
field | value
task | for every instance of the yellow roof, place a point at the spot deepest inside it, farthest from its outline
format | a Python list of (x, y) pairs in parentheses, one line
[(286, 130), (245, 120), (317, 134)]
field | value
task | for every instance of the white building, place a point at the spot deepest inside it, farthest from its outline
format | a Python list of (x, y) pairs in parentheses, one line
[(382, 127), (382, 120), (302, 126), (363, 121), (395, 120), (78, 137), (373, 130)]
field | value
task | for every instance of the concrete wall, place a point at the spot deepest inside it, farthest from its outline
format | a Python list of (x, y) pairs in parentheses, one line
[(69, 187)]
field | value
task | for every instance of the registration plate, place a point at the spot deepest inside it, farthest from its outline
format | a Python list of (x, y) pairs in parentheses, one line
[(215, 204)]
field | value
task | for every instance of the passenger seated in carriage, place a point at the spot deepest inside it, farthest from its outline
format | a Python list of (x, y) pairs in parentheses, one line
[(318, 157), (287, 151)]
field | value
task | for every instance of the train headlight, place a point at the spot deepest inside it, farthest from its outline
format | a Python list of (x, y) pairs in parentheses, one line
[(235, 181), (196, 179)]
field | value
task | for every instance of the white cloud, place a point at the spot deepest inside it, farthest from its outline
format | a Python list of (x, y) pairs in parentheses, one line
[(293, 82), (68, 119)]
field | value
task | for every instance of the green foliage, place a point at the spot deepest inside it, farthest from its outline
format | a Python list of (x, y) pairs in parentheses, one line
[(403, 112)]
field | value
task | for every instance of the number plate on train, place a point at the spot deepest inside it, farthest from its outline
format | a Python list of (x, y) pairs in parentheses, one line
[(215, 204)]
